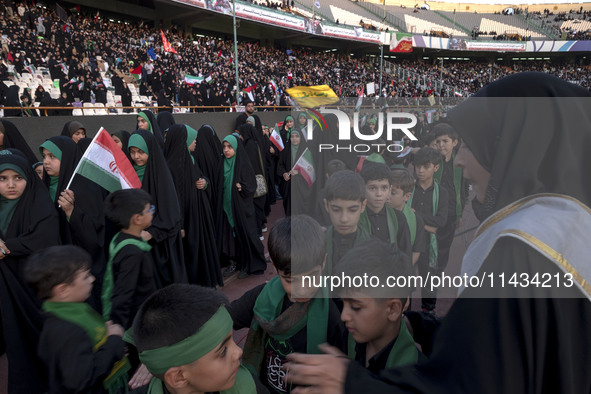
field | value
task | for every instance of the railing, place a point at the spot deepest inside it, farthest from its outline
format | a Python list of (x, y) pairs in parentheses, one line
[(379, 12)]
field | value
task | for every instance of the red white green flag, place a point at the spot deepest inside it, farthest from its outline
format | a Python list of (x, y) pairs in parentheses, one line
[(275, 138), (105, 164), (400, 42), (305, 166)]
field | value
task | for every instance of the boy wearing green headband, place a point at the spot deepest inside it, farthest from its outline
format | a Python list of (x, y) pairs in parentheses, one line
[(378, 335), (83, 354), (284, 316), (183, 334)]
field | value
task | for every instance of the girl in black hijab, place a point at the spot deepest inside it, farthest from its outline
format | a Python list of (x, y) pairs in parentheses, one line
[(147, 121), (208, 156), (200, 249), (294, 188), (28, 223), (165, 232), (236, 216), (10, 137), (75, 130), (121, 138), (79, 205), (165, 120)]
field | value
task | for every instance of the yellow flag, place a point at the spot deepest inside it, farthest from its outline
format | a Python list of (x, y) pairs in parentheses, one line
[(313, 96)]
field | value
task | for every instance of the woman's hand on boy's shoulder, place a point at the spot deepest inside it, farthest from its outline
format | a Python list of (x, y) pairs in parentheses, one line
[(114, 329)]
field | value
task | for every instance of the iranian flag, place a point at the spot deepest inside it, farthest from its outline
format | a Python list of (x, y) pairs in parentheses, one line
[(400, 42), (191, 80), (275, 138), (305, 165), (105, 164)]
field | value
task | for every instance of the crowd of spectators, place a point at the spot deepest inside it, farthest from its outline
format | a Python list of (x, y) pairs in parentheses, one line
[(85, 46)]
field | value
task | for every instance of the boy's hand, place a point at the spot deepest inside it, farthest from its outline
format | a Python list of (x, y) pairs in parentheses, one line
[(114, 329), (271, 150), (146, 236), (286, 176), (66, 202), (238, 186), (322, 373), (140, 378)]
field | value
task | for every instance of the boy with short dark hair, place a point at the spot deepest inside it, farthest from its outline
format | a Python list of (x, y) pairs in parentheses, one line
[(429, 199), (129, 276), (378, 335), (378, 219), (288, 314), (344, 200), (320, 213), (403, 184), (83, 354), (183, 334), (452, 179)]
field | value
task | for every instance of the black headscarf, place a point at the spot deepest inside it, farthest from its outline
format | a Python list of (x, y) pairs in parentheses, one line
[(208, 157), (167, 223), (155, 128), (165, 120), (201, 252), (124, 137), (14, 139), (33, 227), (531, 132)]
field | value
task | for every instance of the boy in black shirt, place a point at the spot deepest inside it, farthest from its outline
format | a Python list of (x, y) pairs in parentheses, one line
[(83, 354), (429, 199), (129, 277), (288, 314), (344, 200), (379, 219)]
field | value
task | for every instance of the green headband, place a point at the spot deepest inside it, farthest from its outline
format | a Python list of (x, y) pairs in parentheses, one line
[(191, 135), (137, 141), (13, 167), (145, 117), (210, 335), (53, 148)]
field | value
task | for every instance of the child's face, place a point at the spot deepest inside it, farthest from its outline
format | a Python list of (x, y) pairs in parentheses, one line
[(193, 146), (344, 214), (51, 163), (294, 287), (294, 138), (289, 124), (80, 288), (12, 184), (377, 193), (139, 157), (366, 319), (426, 171), (229, 152), (142, 123), (445, 145), (117, 141), (398, 198), (78, 135), (216, 371), (147, 215), (39, 171)]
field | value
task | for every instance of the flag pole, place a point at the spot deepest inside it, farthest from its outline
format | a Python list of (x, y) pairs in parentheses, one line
[(83, 156), (236, 53)]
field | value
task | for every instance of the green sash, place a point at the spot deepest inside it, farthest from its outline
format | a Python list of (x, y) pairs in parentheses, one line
[(411, 219), (404, 352), (140, 171), (82, 315), (109, 281), (457, 184), (433, 253), (362, 235), (391, 219), (270, 321)]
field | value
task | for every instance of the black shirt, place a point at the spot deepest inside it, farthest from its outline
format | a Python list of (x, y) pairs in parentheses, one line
[(272, 374), (447, 181), (422, 202), (379, 224), (341, 244)]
